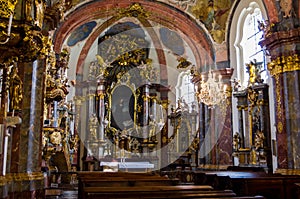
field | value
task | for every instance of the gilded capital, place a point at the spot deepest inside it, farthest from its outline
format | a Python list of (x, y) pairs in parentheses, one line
[(284, 64)]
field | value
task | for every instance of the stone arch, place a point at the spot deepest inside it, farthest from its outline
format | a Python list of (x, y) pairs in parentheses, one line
[(161, 13)]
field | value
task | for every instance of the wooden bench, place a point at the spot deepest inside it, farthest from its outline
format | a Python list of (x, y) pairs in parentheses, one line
[(184, 191), (243, 183), (121, 179), (143, 185)]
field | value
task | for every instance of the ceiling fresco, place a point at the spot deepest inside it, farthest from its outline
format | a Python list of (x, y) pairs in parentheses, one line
[(167, 29), (81, 33), (213, 14)]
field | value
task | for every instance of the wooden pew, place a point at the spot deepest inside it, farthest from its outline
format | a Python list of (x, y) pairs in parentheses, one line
[(143, 185), (243, 183), (121, 179), (154, 192)]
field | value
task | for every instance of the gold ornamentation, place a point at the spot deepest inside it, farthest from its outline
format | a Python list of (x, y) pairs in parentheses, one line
[(101, 95), (164, 139), (183, 62), (102, 67), (7, 7), (252, 97), (25, 176), (279, 127), (284, 64), (47, 49), (236, 141), (93, 126), (134, 10), (15, 89), (3, 181), (254, 70), (259, 140), (39, 9), (32, 45), (165, 104), (56, 79), (288, 171), (55, 137)]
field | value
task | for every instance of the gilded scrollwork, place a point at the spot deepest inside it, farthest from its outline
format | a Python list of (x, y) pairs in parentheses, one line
[(259, 140), (7, 7), (55, 137), (32, 44), (134, 10)]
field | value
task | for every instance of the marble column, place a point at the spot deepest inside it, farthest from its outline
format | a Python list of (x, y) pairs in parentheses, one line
[(145, 119), (164, 132), (224, 123), (283, 47), (25, 170), (242, 104), (101, 115)]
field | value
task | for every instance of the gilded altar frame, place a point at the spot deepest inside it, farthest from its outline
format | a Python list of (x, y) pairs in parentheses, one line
[(123, 81)]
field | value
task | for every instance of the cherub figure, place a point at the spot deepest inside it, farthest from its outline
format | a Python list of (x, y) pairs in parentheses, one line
[(259, 140)]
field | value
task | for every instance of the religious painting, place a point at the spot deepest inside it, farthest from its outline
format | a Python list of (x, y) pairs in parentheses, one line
[(122, 108)]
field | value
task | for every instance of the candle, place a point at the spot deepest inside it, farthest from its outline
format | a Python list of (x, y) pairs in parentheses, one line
[(9, 24), (225, 88)]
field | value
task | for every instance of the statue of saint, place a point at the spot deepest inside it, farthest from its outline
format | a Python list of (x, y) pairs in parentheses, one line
[(39, 6), (93, 124), (15, 89)]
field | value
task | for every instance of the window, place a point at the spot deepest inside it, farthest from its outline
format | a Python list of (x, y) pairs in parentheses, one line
[(251, 37), (185, 89)]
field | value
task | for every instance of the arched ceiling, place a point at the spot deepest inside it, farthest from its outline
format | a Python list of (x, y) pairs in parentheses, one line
[(150, 15)]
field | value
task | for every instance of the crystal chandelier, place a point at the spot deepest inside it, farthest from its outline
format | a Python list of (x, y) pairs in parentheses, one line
[(212, 91)]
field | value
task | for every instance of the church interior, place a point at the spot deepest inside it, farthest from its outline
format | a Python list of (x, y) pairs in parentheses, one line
[(149, 99)]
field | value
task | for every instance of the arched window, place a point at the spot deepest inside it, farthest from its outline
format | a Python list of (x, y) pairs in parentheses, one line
[(249, 42), (185, 89)]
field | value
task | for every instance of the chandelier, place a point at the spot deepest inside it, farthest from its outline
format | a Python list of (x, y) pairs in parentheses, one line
[(212, 91)]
